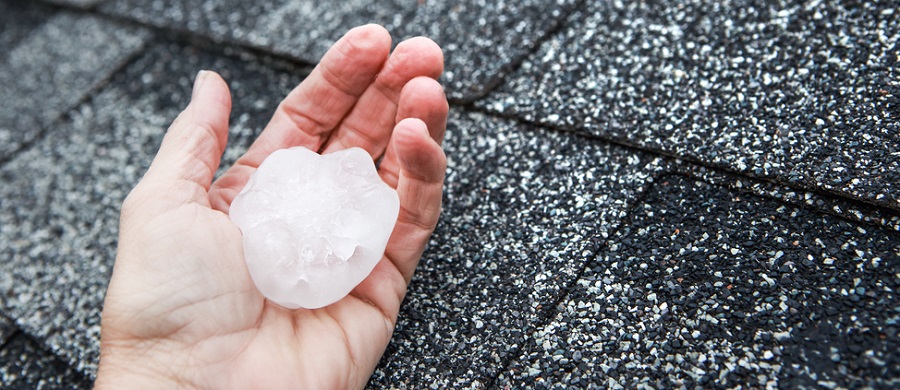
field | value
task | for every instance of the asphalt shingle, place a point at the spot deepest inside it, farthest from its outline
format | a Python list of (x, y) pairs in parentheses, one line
[(805, 93), (61, 198), (7, 329), (523, 211), (710, 287), (17, 19), (822, 202), (57, 65), (481, 39), (85, 4), (24, 365), (301, 29)]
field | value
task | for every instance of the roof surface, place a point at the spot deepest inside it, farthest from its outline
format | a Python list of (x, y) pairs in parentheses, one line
[(639, 193)]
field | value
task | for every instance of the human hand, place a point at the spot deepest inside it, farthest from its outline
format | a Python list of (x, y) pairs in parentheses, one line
[(181, 309)]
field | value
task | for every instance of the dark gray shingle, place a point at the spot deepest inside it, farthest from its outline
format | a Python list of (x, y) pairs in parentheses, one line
[(25, 365), (481, 39), (53, 68), (18, 19), (710, 287), (805, 93)]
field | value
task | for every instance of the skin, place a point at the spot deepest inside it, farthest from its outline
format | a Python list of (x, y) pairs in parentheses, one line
[(181, 310)]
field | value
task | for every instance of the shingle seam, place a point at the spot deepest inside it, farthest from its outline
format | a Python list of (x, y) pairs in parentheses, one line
[(91, 90), (717, 167), (550, 311), (567, 19), (670, 169), (869, 214)]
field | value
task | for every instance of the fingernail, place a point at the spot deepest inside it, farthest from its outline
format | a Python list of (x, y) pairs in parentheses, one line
[(198, 83)]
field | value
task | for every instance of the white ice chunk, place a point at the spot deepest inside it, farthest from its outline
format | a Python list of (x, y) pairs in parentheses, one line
[(314, 225)]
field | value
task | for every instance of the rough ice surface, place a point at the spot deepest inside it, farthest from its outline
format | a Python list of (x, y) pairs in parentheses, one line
[(314, 226)]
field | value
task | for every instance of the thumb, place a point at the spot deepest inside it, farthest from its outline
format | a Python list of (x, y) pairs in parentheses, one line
[(190, 152)]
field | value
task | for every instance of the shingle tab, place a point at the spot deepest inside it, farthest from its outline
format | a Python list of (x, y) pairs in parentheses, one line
[(523, 211), (805, 93), (54, 68), (61, 198), (708, 287)]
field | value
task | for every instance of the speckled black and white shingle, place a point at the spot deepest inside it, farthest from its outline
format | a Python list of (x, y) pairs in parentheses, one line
[(18, 19), (299, 29), (55, 66), (482, 39), (524, 210), (7, 329), (822, 202), (710, 287), (806, 93), (61, 198), (25, 365)]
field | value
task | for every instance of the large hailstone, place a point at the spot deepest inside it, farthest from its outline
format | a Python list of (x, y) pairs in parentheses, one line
[(314, 226)]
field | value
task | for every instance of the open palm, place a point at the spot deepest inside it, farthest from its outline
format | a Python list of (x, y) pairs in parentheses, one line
[(181, 308)]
